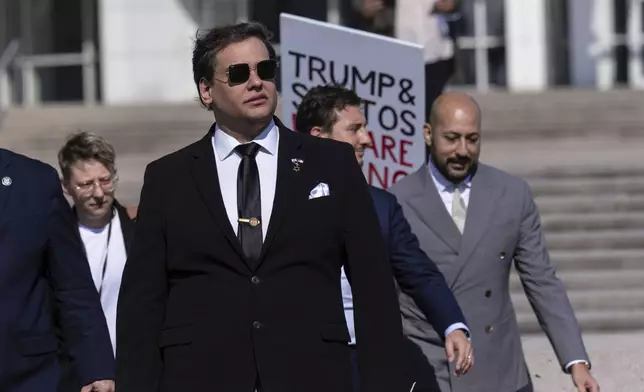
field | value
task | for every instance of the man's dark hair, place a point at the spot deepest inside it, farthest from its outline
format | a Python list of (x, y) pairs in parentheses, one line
[(210, 42), (320, 107)]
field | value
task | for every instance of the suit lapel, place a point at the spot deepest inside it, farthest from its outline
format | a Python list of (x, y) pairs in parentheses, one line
[(5, 171), (203, 169), (429, 206), (127, 225), (484, 195), (288, 181)]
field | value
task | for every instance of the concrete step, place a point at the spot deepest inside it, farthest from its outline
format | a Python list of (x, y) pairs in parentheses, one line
[(588, 183), (563, 114), (576, 172), (555, 99), (125, 140), (604, 320), (590, 203), (600, 260), (592, 300), (550, 115), (527, 159), (57, 119), (553, 115), (534, 129), (605, 239), (580, 280), (595, 221)]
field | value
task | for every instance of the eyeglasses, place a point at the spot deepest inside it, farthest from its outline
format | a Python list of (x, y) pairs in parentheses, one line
[(107, 185), (240, 73)]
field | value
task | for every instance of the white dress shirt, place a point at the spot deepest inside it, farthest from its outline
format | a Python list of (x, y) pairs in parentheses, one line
[(96, 247), (446, 188), (446, 191), (347, 303), (228, 161)]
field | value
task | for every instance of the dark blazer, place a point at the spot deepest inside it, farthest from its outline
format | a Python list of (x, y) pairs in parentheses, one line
[(415, 273), (43, 270), (195, 314), (128, 226), (69, 382)]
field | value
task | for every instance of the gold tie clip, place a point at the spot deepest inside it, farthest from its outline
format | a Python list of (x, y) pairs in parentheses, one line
[(251, 221)]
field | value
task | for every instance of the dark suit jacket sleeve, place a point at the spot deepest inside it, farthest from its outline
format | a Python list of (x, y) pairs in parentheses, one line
[(377, 316), (77, 303), (418, 276), (143, 294), (544, 290)]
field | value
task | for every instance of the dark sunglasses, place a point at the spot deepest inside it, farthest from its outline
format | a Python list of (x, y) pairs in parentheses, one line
[(240, 73)]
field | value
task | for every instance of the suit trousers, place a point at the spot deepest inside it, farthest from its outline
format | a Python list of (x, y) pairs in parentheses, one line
[(355, 374), (527, 388)]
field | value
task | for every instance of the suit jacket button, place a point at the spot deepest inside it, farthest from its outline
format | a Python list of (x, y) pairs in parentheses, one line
[(488, 293), (257, 325), (489, 329), (254, 279), (502, 256)]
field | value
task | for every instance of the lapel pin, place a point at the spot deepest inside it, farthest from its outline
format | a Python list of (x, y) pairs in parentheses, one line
[(6, 181), (296, 164)]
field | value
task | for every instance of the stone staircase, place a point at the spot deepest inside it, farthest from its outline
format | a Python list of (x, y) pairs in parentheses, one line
[(139, 134), (580, 151), (594, 224)]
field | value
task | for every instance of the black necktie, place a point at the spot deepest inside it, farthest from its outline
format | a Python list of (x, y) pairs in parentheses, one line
[(249, 202)]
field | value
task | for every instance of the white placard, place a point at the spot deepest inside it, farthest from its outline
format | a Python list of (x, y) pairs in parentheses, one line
[(388, 74)]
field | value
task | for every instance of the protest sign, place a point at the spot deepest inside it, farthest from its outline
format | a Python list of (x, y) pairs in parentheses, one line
[(388, 74)]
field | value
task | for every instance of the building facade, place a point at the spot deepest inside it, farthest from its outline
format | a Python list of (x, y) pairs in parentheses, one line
[(138, 51)]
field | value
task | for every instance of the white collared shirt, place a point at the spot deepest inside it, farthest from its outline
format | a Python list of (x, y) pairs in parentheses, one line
[(228, 164), (96, 246), (446, 188)]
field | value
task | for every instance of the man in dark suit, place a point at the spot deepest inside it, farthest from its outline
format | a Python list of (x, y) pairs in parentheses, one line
[(233, 281), (89, 176), (334, 112), (43, 271)]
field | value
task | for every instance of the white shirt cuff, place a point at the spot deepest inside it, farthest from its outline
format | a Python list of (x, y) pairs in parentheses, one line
[(569, 365), (456, 326)]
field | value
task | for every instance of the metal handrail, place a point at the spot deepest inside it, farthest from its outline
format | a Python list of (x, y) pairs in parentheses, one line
[(51, 60), (6, 59), (9, 53)]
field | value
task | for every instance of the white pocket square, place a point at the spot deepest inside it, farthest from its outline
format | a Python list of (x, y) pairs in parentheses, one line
[(320, 190)]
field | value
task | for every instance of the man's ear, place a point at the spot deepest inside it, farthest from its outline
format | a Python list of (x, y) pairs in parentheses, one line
[(427, 133), (205, 92), (318, 132)]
